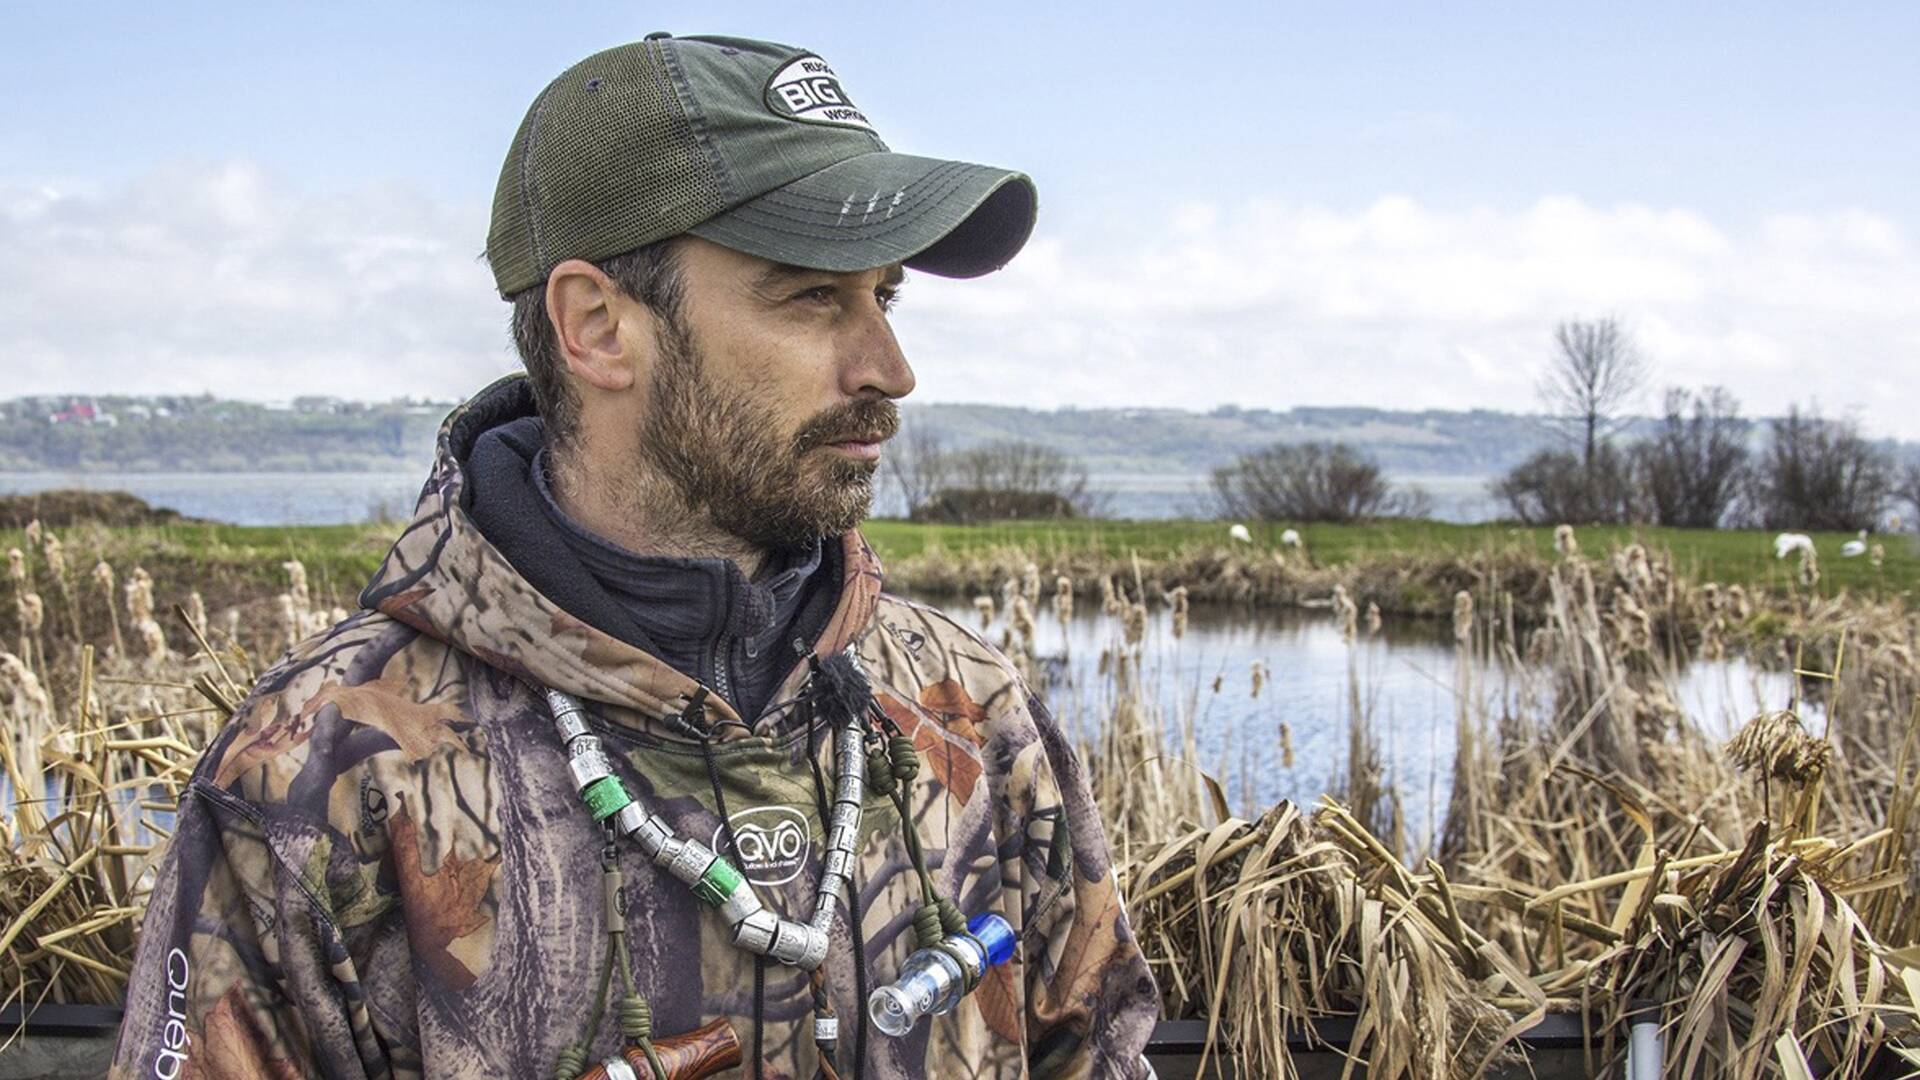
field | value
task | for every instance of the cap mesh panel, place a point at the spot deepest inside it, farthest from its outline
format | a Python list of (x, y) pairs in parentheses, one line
[(605, 162)]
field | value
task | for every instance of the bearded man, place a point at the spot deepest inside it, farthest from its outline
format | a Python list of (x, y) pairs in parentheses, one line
[(628, 767)]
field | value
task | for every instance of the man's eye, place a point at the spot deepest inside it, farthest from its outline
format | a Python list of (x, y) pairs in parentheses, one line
[(888, 296)]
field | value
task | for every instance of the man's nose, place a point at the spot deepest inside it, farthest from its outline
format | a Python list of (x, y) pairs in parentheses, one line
[(875, 363)]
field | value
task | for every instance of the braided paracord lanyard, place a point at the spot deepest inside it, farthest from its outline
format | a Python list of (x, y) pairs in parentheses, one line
[(890, 768)]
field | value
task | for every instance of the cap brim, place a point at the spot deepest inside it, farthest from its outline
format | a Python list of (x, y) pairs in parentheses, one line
[(947, 218)]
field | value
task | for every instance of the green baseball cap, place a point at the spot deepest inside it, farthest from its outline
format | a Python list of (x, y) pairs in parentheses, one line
[(749, 144)]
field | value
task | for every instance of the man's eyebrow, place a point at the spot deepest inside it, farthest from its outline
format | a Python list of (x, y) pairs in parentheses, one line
[(779, 273)]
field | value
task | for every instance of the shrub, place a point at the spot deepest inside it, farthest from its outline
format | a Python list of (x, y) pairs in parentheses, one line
[(1005, 480), (1819, 474), (1555, 487), (1690, 471), (1315, 481)]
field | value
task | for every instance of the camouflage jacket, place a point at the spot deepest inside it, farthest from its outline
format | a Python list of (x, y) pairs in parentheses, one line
[(380, 868)]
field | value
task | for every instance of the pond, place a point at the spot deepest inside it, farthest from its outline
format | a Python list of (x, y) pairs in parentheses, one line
[(1406, 675)]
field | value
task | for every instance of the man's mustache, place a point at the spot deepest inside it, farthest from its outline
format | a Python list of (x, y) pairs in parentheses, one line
[(867, 420)]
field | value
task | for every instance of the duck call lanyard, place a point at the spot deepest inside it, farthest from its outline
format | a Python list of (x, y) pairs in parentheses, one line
[(862, 759)]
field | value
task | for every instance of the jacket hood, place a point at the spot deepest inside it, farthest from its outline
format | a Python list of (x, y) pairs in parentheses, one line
[(444, 578)]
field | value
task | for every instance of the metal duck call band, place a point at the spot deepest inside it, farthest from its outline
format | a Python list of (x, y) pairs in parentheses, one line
[(713, 879)]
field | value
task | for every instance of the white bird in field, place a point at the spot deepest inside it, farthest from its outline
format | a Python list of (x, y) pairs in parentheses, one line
[(1787, 543), (1853, 549), (1291, 538), (1239, 532)]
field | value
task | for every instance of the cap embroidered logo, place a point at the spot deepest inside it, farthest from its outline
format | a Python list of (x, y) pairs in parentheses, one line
[(774, 843), (805, 88)]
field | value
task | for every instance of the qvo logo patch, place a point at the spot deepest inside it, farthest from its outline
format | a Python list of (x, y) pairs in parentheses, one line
[(807, 89), (774, 843)]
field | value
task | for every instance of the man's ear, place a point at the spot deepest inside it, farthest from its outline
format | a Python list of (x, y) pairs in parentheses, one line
[(583, 305)]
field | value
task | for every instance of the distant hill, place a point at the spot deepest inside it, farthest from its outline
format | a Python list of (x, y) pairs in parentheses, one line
[(111, 433), (206, 434), (1164, 441), (1150, 462)]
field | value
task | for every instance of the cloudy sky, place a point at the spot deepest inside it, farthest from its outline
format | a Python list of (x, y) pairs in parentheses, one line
[(1255, 203)]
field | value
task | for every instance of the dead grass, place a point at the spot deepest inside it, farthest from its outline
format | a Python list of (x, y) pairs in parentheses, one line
[(1601, 852)]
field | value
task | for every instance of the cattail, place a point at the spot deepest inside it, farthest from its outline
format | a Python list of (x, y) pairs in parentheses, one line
[(232, 624), (1463, 616), (153, 642), (16, 566), (103, 580), (1775, 744), (1286, 744), (1347, 613), (1373, 619), (1737, 603), (1877, 555), (33, 531), (291, 623), (1712, 645), (1710, 597), (1639, 573), (1632, 626), (983, 607), (1136, 624), (56, 555), (297, 586), (1809, 568), (1564, 541), (32, 614), (196, 609), (1110, 600), (1178, 598), (21, 692), (1021, 618), (1063, 599), (139, 593), (1259, 675), (1030, 585)]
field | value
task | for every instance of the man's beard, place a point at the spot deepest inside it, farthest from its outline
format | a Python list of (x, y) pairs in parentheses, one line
[(728, 458)]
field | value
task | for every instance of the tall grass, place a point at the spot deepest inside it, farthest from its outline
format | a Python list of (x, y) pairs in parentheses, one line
[(1601, 851)]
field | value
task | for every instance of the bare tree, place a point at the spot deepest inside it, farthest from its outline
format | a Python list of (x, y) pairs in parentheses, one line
[(1595, 374), (1553, 487), (917, 463), (1907, 493), (1311, 482), (1009, 479), (1691, 469), (1820, 474)]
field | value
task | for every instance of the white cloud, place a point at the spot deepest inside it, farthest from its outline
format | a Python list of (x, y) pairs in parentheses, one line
[(1396, 304), (248, 284), (245, 284)]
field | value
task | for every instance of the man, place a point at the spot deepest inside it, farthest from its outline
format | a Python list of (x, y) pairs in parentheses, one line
[(632, 594)]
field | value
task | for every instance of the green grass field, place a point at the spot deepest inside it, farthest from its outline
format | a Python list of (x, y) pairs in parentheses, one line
[(1725, 555), (236, 560)]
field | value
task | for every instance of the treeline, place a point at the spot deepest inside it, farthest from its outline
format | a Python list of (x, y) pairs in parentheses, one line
[(1700, 470), (1702, 465), (204, 434)]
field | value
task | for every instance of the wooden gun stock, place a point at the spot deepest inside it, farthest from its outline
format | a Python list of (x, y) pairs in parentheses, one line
[(699, 1053)]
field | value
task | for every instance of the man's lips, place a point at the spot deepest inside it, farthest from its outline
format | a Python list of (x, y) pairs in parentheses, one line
[(861, 448)]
